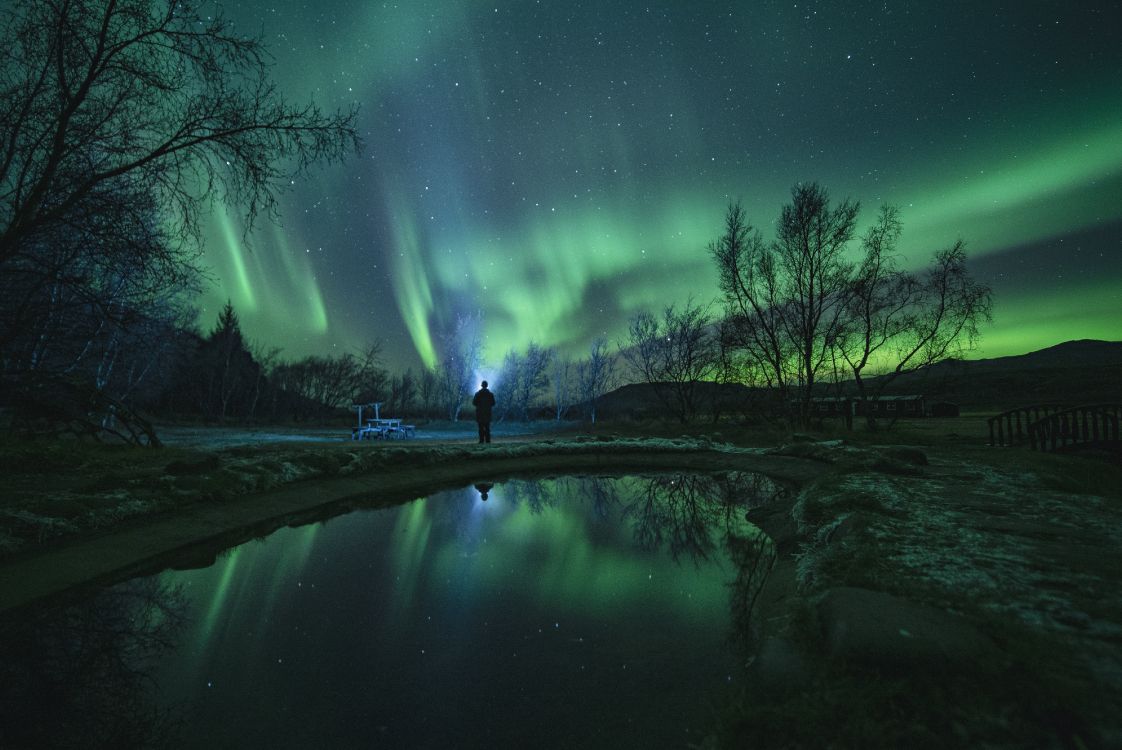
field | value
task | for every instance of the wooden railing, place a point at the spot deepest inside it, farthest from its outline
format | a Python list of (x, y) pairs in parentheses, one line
[(1092, 424), (1011, 427)]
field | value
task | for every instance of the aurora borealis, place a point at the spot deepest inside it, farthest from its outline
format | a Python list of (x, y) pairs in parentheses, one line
[(560, 166)]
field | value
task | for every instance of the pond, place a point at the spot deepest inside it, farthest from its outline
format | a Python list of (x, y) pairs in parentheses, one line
[(563, 612)]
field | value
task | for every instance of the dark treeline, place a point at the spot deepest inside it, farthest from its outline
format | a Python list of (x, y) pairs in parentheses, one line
[(222, 377)]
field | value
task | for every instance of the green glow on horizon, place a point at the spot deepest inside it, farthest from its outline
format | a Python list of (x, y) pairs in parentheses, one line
[(1050, 317)]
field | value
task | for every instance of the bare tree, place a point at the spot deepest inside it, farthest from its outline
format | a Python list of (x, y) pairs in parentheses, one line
[(788, 297), (674, 355), (754, 305), (525, 376), (506, 384), (99, 96), (333, 383), (561, 378), (68, 301), (403, 392), (595, 375), (461, 351), (811, 241), (732, 371), (121, 123), (898, 322), (799, 311), (427, 391)]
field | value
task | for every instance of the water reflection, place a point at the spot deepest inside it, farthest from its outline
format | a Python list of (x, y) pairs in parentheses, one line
[(78, 676), (592, 610)]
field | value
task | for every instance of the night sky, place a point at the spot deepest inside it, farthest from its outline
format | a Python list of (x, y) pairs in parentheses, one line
[(560, 166)]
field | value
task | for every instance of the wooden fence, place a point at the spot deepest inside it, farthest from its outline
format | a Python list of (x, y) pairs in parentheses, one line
[(1093, 424), (1011, 427)]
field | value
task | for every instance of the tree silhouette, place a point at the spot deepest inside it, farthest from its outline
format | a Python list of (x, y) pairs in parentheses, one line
[(121, 123), (461, 351), (796, 307), (103, 96), (595, 375), (673, 355)]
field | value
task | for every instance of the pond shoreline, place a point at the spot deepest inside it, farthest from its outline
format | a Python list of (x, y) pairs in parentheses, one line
[(900, 568), (196, 532)]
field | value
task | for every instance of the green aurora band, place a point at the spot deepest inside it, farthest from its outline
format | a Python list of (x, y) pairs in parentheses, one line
[(516, 168)]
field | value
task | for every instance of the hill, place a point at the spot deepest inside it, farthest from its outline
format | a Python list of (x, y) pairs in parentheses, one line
[(1083, 371), (1081, 353), (1074, 371)]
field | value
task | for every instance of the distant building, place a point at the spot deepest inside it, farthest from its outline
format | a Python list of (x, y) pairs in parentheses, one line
[(893, 407), (885, 407), (942, 409)]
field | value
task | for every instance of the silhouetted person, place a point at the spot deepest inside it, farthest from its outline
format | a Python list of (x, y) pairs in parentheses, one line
[(483, 402), (484, 488)]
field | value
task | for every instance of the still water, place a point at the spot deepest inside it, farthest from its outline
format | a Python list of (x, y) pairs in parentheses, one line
[(569, 612)]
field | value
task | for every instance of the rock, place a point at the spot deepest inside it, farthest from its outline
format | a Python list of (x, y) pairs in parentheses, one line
[(885, 631)]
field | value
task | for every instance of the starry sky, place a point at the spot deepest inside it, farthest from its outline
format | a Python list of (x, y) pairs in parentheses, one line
[(560, 166)]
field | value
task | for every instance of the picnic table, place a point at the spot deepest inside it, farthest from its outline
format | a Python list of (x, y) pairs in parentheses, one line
[(384, 428), (379, 427)]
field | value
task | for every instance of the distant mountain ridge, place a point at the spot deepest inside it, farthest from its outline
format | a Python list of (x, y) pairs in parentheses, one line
[(1081, 371), (1078, 353)]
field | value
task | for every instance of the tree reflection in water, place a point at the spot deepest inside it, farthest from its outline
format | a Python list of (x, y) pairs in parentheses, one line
[(691, 516), (80, 676)]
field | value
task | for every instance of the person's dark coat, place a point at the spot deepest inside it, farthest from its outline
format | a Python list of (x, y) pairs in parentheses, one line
[(483, 402)]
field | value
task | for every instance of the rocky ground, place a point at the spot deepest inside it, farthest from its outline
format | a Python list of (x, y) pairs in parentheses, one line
[(947, 597)]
